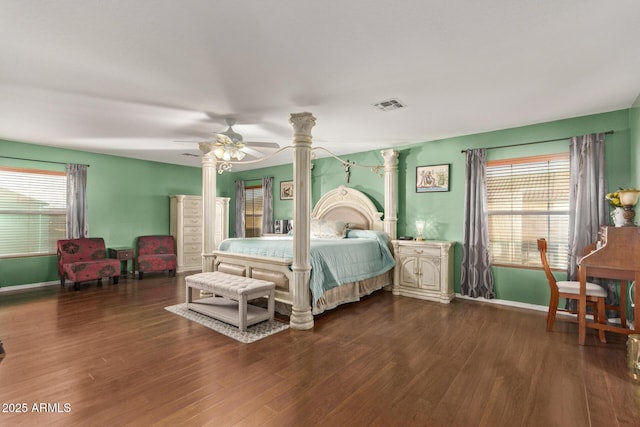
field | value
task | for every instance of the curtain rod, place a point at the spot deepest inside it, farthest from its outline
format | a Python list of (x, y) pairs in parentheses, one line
[(36, 160), (610, 132)]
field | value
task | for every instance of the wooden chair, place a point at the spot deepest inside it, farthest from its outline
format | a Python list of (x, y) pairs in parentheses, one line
[(570, 290)]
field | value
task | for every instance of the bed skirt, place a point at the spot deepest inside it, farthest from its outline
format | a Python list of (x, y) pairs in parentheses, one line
[(343, 294)]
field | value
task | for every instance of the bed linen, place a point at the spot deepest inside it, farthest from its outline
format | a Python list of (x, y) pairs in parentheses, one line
[(361, 255)]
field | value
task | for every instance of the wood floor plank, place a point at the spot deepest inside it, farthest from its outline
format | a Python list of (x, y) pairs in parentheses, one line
[(116, 357)]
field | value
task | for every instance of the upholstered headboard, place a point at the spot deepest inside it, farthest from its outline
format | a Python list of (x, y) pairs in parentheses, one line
[(351, 206)]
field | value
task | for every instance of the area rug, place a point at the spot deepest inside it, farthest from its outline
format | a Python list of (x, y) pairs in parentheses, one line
[(253, 332)]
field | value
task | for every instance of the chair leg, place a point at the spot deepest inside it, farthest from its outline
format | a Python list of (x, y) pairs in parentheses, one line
[(62, 281), (140, 275), (622, 307), (116, 279), (551, 314), (602, 319)]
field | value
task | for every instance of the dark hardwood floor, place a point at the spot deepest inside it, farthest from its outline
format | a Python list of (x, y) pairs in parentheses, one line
[(111, 355)]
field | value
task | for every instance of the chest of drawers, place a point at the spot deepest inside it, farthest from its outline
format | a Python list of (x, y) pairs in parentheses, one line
[(186, 228)]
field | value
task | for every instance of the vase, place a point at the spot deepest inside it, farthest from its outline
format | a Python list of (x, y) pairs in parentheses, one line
[(617, 215)]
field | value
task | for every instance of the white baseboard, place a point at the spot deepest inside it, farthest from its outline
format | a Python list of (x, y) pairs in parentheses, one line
[(506, 302), (527, 306), (28, 286)]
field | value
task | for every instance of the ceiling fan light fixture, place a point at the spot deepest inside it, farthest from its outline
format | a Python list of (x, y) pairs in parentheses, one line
[(228, 146), (226, 149), (240, 154), (218, 151)]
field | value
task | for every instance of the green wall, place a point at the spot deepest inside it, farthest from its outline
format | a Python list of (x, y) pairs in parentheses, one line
[(634, 127), (326, 174), (443, 211), (128, 197)]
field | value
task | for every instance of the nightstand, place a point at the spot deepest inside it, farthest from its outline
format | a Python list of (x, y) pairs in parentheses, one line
[(124, 254), (424, 269)]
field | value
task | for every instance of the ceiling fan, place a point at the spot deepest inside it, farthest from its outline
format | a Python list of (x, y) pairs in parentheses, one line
[(234, 147)]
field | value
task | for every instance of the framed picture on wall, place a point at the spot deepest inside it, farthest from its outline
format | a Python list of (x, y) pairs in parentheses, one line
[(432, 178), (286, 190)]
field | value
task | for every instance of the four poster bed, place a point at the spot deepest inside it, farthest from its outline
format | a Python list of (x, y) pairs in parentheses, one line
[(292, 270), (350, 254)]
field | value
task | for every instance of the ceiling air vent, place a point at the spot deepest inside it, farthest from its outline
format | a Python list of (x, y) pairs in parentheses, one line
[(389, 104), (190, 155)]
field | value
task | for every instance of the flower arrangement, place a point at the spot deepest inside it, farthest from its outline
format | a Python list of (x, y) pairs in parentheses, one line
[(614, 198)]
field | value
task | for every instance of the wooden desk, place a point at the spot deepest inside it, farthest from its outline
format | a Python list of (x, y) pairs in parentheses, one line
[(618, 258)]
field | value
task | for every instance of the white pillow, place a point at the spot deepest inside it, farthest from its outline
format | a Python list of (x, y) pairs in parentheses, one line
[(321, 228)]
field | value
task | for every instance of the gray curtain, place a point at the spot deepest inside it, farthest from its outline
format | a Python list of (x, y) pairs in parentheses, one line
[(77, 226), (240, 203), (476, 276), (588, 207), (267, 205)]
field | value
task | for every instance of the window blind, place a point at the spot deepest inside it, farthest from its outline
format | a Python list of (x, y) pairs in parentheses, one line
[(253, 211), (32, 211), (528, 199)]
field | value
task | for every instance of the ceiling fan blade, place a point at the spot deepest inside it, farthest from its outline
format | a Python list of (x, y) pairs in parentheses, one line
[(262, 144), (251, 152)]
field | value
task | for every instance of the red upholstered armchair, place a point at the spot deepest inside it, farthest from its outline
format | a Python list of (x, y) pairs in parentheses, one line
[(80, 260), (156, 253)]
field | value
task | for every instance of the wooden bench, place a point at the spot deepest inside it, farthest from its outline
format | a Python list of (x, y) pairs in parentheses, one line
[(230, 296)]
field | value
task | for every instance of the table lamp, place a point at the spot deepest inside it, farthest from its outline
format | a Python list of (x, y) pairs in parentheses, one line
[(419, 229), (628, 199)]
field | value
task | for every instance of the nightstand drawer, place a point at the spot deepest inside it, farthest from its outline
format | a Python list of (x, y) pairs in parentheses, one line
[(419, 251)]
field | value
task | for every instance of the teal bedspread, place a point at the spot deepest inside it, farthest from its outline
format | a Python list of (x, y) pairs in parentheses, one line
[(361, 255)]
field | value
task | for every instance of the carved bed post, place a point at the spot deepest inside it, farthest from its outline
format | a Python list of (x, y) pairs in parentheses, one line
[(301, 317), (208, 204), (390, 192)]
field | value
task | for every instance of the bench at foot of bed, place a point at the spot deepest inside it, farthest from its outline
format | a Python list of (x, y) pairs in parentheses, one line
[(231, 294)]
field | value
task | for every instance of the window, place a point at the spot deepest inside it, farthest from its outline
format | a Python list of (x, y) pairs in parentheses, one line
[(253, 211), (33, 211), (528, 198)]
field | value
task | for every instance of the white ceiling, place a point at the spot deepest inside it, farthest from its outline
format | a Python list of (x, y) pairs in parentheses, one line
[(132, 77)]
